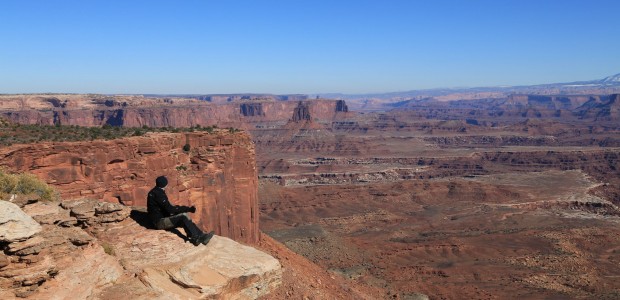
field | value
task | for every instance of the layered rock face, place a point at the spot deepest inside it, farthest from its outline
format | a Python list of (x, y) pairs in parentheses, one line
[(138, 112), (301, 113), (53, 255), (548, 102), (247, 97), (251, 109), (86, 249), (217, 174), (602, 111), (341, 106)]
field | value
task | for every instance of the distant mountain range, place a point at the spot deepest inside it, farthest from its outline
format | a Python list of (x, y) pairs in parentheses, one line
[(610, 81), (615, 79), (378, 101)]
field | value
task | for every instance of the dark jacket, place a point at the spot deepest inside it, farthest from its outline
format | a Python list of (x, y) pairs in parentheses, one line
[(159, 207)]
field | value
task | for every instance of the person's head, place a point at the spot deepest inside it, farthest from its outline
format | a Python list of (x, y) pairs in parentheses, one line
[(161, 182)]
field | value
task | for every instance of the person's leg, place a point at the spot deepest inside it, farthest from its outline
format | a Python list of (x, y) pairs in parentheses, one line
[(181, 220)]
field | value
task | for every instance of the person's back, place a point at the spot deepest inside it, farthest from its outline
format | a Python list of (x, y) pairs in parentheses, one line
[(154, 198)]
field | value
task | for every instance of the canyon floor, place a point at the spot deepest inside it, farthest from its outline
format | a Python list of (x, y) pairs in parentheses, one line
[(498, 198), (451, 213)]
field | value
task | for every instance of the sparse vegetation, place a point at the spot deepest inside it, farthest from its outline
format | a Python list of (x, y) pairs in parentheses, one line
[(108, 249), (25, 184), (186, 147), (181, 168), (233, 130), (22, 134)]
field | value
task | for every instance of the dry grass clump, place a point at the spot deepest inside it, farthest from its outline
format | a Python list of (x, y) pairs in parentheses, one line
[(25, 184), (108, 249)]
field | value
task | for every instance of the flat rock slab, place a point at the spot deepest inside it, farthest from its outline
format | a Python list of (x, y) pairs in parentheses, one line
[(46, 213), (15, 225), (175, 269), (83, 274)]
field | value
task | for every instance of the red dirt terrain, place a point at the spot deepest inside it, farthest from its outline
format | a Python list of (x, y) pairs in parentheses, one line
[(514, 203), (535, 235)]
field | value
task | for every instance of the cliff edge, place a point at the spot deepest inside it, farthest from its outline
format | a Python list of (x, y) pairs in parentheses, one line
[(216, 172), (85, 249)]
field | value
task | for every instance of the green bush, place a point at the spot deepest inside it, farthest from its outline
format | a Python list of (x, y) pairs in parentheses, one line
[(25, 184)]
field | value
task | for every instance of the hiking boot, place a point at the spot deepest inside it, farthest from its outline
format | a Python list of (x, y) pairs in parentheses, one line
[(204, 239)]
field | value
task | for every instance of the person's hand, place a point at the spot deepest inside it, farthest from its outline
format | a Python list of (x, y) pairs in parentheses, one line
[(192, 209)]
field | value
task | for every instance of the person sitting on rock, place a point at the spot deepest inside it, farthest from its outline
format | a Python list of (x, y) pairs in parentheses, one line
[(167, 216)]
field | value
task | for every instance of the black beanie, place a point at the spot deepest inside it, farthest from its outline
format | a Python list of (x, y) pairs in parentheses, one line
[(161, 181)]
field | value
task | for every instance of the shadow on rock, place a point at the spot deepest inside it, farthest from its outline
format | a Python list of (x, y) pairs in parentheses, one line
[(140, 216)]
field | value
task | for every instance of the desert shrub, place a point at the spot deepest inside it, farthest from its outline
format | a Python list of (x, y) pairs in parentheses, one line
[(25, 184), (138, 132), (30, 133), (186, 147), (8, 182)]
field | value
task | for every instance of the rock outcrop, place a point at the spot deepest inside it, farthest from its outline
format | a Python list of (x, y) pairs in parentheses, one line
[(251, 109), (87, 110), (341, 106), (223, 269), (217, 175), (301, 113), (106, 255), (57, 256), (15, 225), (601, 111)]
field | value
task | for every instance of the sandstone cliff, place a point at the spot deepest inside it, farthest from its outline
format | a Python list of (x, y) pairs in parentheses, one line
[(301, 113), (85, 249), (217, 175), (86, 110), (601, 110)]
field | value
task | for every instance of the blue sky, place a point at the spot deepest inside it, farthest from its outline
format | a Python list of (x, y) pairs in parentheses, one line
[(291, 46)]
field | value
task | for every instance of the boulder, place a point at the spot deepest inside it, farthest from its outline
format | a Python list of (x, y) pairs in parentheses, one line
[(22, 200), (171, 268), (33, 244), (223, 269), (46, 213), (111, 212), (93, 212), (15, 225), (81, 209), (4, 261)]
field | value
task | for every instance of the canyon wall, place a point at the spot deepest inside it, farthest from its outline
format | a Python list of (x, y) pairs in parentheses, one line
[(217, 175), (176, 114)]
